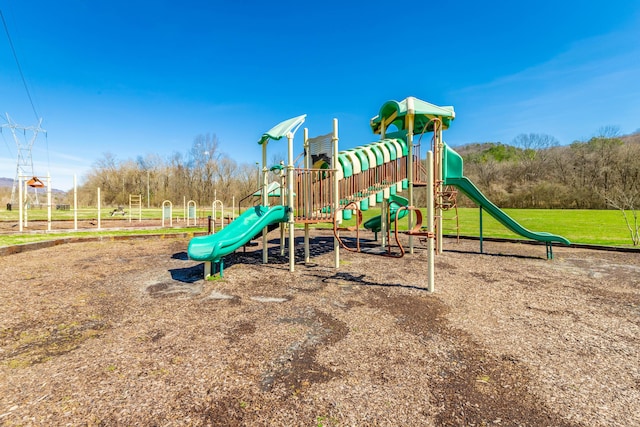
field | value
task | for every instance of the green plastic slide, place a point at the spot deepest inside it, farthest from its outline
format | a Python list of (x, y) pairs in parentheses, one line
[(452, 166), (395, 202), (240, 231)]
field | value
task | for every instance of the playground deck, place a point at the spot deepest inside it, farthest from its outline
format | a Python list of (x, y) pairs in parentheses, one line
[(127, 332)]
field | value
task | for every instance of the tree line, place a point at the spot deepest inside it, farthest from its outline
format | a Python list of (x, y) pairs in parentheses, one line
[(201, 175), (533, 171)]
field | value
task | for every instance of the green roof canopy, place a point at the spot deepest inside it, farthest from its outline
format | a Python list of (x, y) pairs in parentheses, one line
[(282, 129), (424, 113)]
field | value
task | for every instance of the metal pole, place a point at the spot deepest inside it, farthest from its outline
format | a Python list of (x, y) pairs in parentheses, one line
[(283, 202), (384, 222), (292, 254), (430, 237), (306, 188), (265, 202), (411, 113), (147, 189), (26, 206), (481, 230), (99, 204), (336, 193), (439, 181), (20, 207), (307, 255), (48, 202), (75, 203)]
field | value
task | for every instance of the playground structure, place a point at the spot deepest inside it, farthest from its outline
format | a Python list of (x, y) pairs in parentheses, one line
[(332, 185)]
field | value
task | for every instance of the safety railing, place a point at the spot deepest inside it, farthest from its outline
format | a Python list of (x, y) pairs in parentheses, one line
[(313, 195)]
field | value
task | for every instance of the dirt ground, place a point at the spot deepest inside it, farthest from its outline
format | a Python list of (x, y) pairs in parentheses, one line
[(128, 333)]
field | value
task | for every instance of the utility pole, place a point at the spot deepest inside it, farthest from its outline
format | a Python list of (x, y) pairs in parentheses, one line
[(24, 163)]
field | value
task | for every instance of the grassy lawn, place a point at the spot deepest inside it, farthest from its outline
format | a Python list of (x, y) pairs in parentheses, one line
[(88, 214), (602, 227), (105, 213), (18, 238)]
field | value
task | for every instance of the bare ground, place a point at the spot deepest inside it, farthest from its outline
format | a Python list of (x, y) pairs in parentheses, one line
[(128, 333)]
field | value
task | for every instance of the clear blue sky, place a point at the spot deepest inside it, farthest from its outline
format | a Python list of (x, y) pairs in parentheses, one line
[(138, 77)]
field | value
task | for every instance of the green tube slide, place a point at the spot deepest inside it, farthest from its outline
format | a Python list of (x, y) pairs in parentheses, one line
[(395, 202), (238, 233)]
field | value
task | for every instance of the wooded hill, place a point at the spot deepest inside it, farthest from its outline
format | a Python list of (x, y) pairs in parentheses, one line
[(536, 172)]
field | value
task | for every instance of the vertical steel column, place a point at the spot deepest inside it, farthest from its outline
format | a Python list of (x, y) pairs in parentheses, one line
[(49, 203), (99, 206), (20, 207), (26, 206), (305, 184), (75, 203), (283, 202), (481, 238), (430, 237), (437, 133), (336, 195), (292, 254), (265, 202), (411, 114)]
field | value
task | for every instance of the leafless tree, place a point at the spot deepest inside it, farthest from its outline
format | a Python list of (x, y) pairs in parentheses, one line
[(534, 154), (627, 204)]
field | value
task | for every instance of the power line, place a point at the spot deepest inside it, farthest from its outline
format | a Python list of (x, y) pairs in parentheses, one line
[(26, 87), (5, 141), (15, 56)]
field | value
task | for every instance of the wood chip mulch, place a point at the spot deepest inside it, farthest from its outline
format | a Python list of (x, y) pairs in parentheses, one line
[(108, 333)]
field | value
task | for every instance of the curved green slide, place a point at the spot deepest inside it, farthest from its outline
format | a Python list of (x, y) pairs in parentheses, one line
[(240, 231), (452, 171), (395, 202)]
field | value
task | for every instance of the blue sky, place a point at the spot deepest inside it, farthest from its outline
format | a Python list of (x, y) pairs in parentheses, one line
[(133, 77)]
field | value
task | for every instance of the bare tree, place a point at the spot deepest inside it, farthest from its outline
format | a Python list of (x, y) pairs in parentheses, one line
[(226, 172), (203, 158), (627, 204), (535, 141), (608, 131), (534, 155)]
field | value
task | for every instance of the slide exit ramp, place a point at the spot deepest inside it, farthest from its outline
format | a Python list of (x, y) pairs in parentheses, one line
[(452, 171)]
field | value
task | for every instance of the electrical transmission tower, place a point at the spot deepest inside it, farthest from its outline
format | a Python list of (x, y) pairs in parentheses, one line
[(24, 163)]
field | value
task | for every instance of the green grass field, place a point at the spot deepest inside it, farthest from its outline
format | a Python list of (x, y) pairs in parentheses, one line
[(88, 214), (597, 227), (601, 227)]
